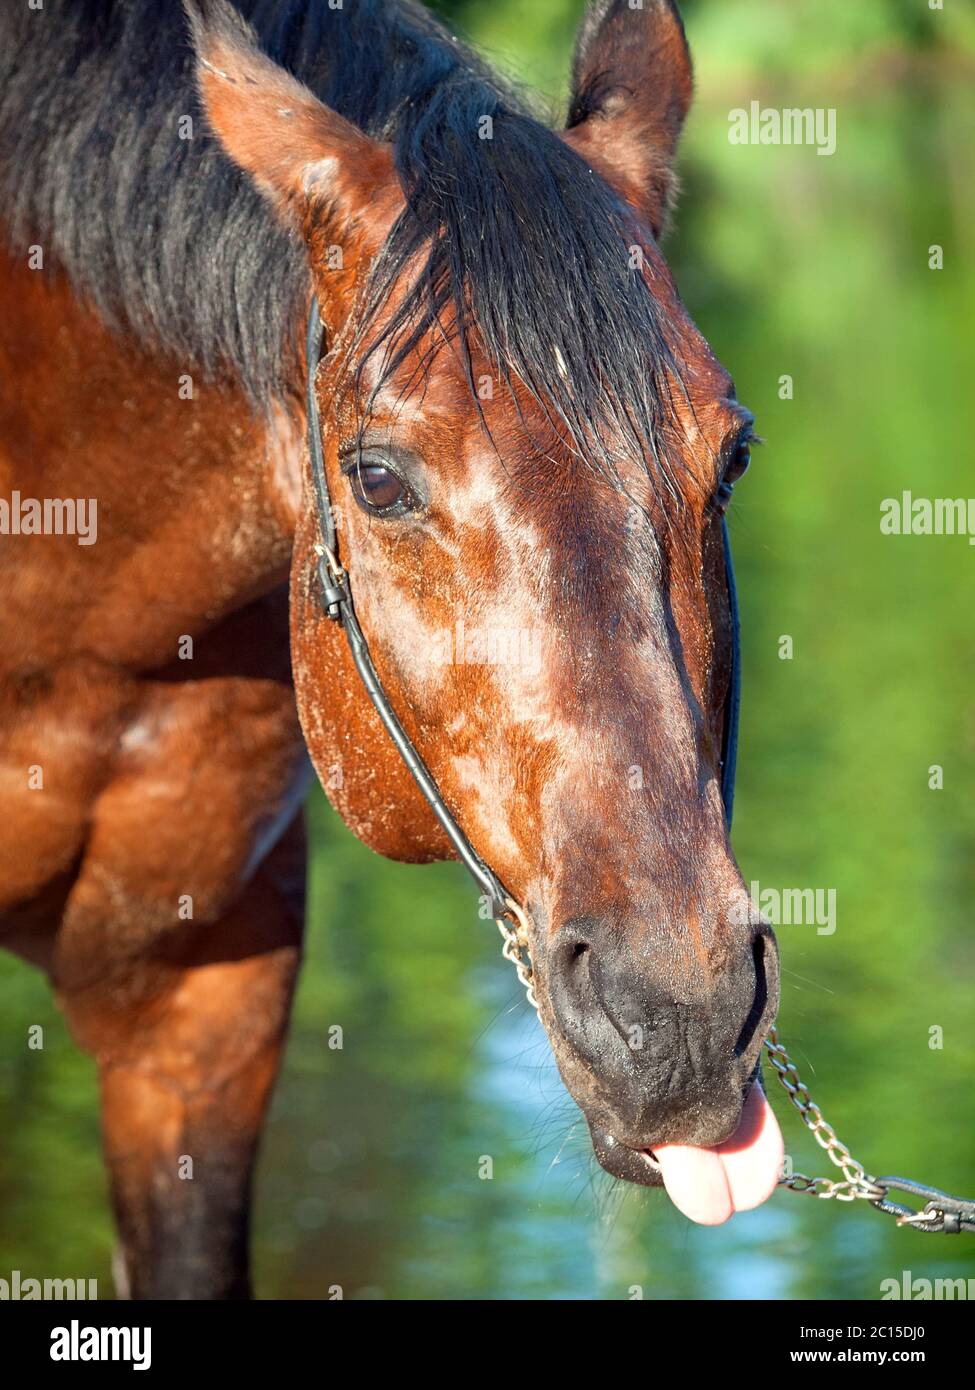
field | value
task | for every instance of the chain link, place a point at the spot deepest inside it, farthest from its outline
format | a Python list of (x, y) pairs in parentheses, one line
[(856, 1181), (516, 948)]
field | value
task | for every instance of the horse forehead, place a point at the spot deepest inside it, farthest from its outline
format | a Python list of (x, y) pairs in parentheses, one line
[(432, 385), (429, 388), (709, 379)]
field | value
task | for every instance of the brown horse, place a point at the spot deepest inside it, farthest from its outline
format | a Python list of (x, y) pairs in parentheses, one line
[(529, 448)]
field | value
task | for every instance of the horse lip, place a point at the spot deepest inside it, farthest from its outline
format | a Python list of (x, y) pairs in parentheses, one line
[(638, 1166)]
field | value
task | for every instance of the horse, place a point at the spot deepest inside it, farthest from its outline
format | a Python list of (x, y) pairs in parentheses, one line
[(529, 451)]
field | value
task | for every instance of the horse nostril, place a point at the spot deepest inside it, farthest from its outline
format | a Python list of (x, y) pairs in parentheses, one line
[(572, 959), (762, 947), (574, 941)]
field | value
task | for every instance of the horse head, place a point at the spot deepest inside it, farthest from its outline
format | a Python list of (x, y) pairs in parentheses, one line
[(530, 450)]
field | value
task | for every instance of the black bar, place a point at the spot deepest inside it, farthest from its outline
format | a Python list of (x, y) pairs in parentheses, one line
[(307, 1340)]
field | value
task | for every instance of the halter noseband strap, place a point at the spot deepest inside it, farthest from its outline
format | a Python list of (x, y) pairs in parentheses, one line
[(336, 599)]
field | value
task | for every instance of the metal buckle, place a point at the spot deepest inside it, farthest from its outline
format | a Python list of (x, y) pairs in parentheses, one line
[(333, 585), (941, 1214)]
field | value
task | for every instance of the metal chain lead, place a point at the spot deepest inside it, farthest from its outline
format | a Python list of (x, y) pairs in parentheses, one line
[(941, 1213), (856, 1181)]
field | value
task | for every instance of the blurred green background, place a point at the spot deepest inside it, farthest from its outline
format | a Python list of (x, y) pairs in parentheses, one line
[(791, 264)]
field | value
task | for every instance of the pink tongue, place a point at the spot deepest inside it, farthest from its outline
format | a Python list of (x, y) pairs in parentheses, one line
[(709, 1185)]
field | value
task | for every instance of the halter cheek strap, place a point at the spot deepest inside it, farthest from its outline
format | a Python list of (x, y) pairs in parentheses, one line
[(335, 596), (732, 709)]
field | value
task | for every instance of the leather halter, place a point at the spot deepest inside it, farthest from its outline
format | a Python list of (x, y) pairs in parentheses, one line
[(335, 595)]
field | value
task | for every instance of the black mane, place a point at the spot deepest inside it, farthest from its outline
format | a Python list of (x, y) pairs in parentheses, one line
[(170, 241)]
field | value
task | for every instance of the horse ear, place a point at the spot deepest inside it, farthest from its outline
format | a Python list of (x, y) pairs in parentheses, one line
[(305, 158), (631, 89)]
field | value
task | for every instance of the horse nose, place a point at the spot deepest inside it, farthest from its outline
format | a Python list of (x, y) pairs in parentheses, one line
[(667, 1047)]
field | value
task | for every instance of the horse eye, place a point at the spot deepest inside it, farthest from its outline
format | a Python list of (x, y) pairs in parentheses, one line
[(740, 460), (378, 489), (737, 468)]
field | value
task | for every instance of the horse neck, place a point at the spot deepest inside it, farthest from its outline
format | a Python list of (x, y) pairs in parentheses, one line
[(195, 495)]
